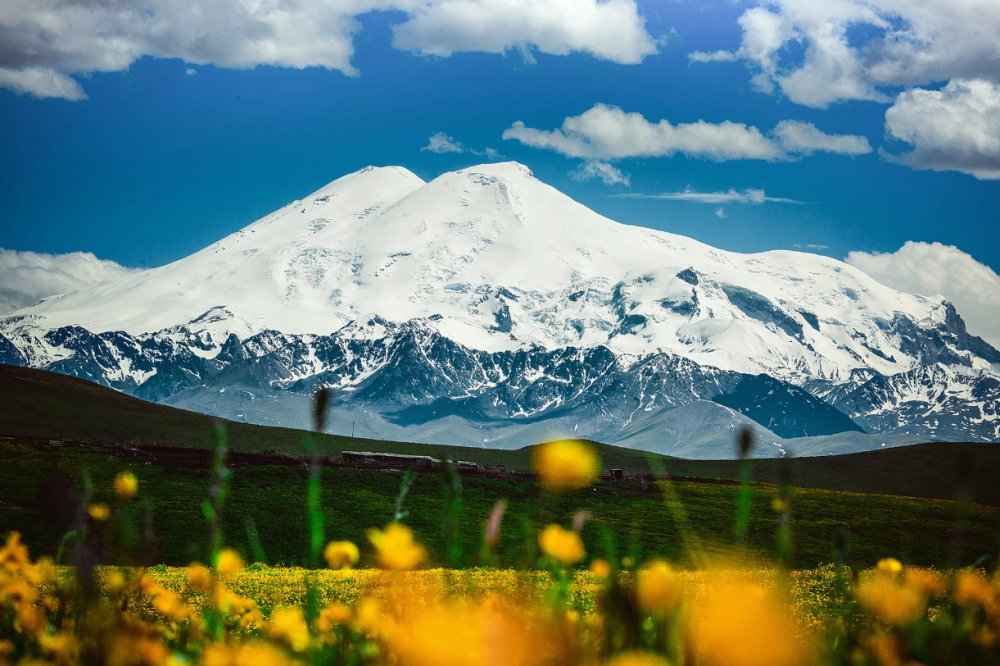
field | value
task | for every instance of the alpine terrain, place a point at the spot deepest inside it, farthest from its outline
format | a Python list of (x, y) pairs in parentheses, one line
[(485, 307)]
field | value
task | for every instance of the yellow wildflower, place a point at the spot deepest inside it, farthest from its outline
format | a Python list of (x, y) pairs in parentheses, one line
[(779, 505), (228, 563), (341, 554), (637, 658), (333, 615), (199, 577), (889, 566), (369, 617), (396, 548), (115, 582), (126, 485), (658, 588), (98, 511), (289, 625), (564, 545), (926, 581), (248, 654), (600, 568), (972, 589), (741, 624), (62, 645), (889, 601), (566, 464), (128, 650)]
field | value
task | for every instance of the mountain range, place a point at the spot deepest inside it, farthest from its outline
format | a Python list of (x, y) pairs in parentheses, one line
[(487, 308)]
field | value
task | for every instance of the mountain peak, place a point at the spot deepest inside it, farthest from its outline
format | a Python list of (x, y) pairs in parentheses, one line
[(381, 177), (508, 170)]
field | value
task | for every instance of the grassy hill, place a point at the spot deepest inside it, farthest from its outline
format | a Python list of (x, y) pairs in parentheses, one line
[(44, 405), (42, 489), (42, 484)]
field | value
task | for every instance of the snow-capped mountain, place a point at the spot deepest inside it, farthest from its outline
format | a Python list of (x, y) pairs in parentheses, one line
[(486, 306)]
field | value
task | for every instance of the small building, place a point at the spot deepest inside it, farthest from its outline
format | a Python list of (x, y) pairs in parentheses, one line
[(466, 467), (390, 460)]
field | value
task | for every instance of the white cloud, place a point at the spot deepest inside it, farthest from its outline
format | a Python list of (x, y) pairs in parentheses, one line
[(608, 133), (607, 173), (953, 129), (439, 142), (811, 246), (934, 268), (712, 56), (191, 71), (747, 196), (607, 29), (47, 42), (27, 277), (801, 138), (855, 49), (720, 213)]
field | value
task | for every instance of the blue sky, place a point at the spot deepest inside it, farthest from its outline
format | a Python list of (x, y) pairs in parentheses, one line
[(167, 154)]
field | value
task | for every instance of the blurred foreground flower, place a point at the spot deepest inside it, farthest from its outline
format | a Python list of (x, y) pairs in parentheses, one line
[(228, 563), (199, 577), (472, 634), (637, 658), (658, 588), (890, 601), (341, 554), (98, 511), (289, 626), (600, 568), (126, 485), (742, 624), (564, 545), (396, 548), (566, 464)]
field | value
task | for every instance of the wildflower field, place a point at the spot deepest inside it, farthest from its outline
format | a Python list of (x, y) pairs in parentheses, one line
[(535, 576)]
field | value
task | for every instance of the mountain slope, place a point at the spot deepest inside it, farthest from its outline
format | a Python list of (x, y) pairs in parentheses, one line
[(486, 301)]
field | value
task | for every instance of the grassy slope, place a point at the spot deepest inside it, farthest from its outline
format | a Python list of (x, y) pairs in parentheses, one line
[(46, 405), (38, 486)]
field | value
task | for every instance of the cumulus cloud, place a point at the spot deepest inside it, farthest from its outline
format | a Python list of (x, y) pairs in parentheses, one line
[(27, 277), (607, 173), (47, 42), (953, 129), (934, 268), (607, 29), (439, 142), (797, 137), (747, 196), (855, 49), (608, 133)]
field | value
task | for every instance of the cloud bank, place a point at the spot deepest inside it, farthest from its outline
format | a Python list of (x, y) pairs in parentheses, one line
[(856, 49), (606, 132), (934, 268), (47, 42), (953, 129), (27, 277)]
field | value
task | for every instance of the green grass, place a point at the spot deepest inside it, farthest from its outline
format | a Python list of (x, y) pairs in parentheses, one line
[(625, 517)]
